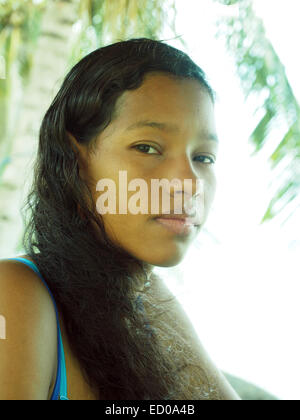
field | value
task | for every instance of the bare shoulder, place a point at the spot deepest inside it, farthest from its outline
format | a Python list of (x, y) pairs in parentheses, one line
[(28, 351), (180, 320), (23, 284)]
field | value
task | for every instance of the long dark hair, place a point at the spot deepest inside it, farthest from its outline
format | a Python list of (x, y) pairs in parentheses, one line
[(94, 281)]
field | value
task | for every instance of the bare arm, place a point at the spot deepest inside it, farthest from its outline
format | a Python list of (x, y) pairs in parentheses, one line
[(28, 352)]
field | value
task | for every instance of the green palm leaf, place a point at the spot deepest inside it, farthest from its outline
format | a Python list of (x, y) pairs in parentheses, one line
[(263, 75)]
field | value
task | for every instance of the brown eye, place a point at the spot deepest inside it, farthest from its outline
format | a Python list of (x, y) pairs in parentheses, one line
[(147, 146)]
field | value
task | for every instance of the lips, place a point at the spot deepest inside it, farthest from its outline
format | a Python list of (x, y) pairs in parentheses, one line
[(178, 224), (187, 219)]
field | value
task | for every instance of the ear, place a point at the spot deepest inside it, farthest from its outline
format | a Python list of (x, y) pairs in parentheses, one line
[(80, 152)]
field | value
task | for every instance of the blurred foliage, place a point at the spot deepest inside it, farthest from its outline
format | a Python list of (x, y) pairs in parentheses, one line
[(19, 19), (104, 22), (264, 81), (19, 30)]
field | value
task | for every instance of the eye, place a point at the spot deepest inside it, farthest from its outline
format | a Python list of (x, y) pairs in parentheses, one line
[(147, 146), (207, 160)]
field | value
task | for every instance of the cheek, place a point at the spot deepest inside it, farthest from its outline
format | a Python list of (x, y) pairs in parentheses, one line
[(136, 235), (123, 228), (210, 187)]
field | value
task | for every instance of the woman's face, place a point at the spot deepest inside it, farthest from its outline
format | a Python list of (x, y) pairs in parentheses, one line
[(184, 149)]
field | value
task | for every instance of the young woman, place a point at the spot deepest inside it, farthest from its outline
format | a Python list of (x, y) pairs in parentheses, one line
[(86, 316)]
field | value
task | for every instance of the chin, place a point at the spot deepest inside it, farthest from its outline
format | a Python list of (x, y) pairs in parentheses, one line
[(168, 264), (166, 261)]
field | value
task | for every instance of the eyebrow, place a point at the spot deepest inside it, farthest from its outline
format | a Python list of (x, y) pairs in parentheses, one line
[(168, 127)]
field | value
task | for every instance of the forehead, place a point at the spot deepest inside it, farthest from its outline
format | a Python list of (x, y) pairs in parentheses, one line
[(165, 98)]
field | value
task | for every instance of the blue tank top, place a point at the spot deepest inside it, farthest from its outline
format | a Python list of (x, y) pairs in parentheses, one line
[(60, 387)]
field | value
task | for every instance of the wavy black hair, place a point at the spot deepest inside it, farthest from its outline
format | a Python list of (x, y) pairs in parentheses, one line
[(121, 351)]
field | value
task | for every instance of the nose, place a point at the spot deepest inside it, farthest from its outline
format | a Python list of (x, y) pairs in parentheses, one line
[(185, 180), (187, 186)]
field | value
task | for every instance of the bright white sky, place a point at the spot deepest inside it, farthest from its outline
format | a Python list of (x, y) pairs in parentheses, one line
[(240, 285)]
